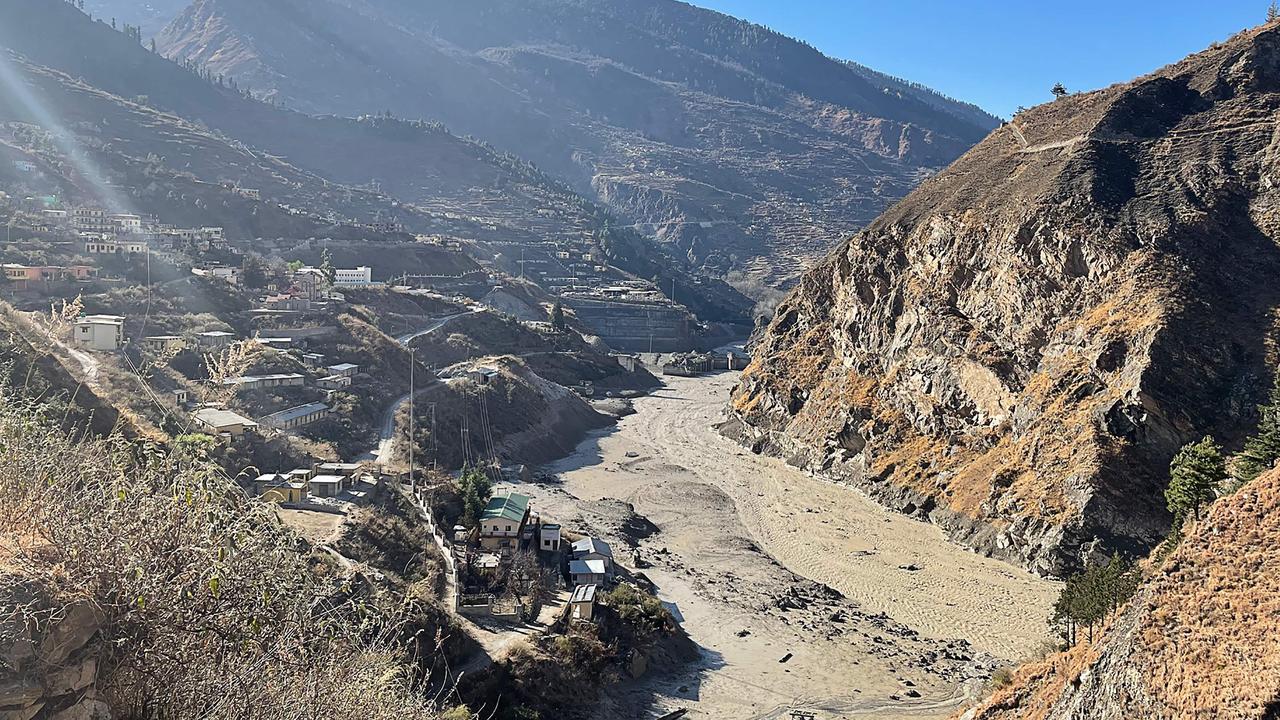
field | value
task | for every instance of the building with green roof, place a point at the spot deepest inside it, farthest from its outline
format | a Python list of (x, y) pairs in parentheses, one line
[(503, 520)]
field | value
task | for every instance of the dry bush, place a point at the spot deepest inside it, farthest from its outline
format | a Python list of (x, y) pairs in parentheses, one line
[(210, 608)]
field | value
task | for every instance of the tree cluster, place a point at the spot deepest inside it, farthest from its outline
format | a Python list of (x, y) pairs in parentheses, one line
[(475, 488), (1195, 476), (1092, 596), (1262, 449)]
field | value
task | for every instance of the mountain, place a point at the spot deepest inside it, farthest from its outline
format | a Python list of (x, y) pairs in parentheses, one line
[(740, 148), (136, 113), (1017, 350), (150, 16), (1200, 639)]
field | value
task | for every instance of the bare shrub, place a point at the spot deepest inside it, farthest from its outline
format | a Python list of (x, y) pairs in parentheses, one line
[(209, 605)]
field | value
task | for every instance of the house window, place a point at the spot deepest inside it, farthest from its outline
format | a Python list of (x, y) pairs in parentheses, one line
[(508, 528)]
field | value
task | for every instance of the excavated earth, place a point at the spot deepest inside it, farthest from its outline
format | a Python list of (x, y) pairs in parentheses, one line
[(1017, 350)]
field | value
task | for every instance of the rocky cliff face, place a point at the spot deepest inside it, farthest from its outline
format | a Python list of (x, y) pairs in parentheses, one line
[(1017, 349), (730, 142), (1200, 640)]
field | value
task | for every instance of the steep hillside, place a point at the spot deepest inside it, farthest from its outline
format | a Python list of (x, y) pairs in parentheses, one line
[(123, 105), (1017, 350), (1200, 640), (740, 147)]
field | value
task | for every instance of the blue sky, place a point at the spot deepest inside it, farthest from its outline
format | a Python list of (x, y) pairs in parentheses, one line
[(1004, 54)]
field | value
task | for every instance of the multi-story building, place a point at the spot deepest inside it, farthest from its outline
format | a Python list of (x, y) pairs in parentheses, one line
[(344, 277), (100, 332)]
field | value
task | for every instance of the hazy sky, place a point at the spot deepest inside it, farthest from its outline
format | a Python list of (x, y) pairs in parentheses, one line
[(1004, 54)]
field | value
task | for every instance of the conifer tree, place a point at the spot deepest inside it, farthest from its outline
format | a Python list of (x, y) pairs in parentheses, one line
[(1273, 12), (1263, 449), (1196, 473)]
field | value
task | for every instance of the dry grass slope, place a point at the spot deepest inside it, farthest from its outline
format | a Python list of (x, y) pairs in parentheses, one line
[(1200, 640), (203, 604)]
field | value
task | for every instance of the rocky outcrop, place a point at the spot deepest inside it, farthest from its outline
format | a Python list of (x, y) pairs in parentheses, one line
[(1017, 349), (48, 655), (1200, 640)]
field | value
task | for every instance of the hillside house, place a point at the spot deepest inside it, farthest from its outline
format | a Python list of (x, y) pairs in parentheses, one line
[(587, 572), (224, 422), (343, 369), (181, 397), (327, 486), (107, 245), (296, 417), (214, 339), (162, 343), (582, 603), (314, 360), (334, 382), (280, 489), (261, 382), (482, 376), (103, 333), (549, 537), (502, 522), (590, 548)]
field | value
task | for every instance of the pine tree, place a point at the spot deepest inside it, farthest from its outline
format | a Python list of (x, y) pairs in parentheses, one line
[(476, 489), (1263, 449), (1195, 475), (1273, 12), (1058, 90)]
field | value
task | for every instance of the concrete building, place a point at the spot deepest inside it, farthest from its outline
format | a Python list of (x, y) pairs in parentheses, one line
[(582, 603), (224, 422), (549, 537), (327, 486), (261, 382), (334, 382), (352, 277), (214, 339), (503, 520), (590, 548), (343, 369), (296, 417), (95, 244), (587, 572), (100, 332), (162, 343)]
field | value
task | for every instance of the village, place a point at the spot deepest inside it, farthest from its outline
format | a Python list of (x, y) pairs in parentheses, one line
[(268, 383)]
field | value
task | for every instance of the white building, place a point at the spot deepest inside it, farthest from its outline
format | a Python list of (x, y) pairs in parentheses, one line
[(343, 277), (105, 244), (100, 332)]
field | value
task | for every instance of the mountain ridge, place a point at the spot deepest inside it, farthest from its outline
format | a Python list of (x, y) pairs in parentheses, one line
[(1016, 350), (726, 141)]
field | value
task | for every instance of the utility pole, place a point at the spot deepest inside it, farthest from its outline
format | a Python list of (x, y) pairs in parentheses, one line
[(412, 487)]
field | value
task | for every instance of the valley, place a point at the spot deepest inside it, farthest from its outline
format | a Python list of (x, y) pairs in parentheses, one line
[(878, 614)]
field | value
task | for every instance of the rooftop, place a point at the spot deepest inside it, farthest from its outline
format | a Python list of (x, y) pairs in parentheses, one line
[(219, 418), (592, 546), (294, 413), (584, 593), (248, 379), (586, 567), (512, 506)]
